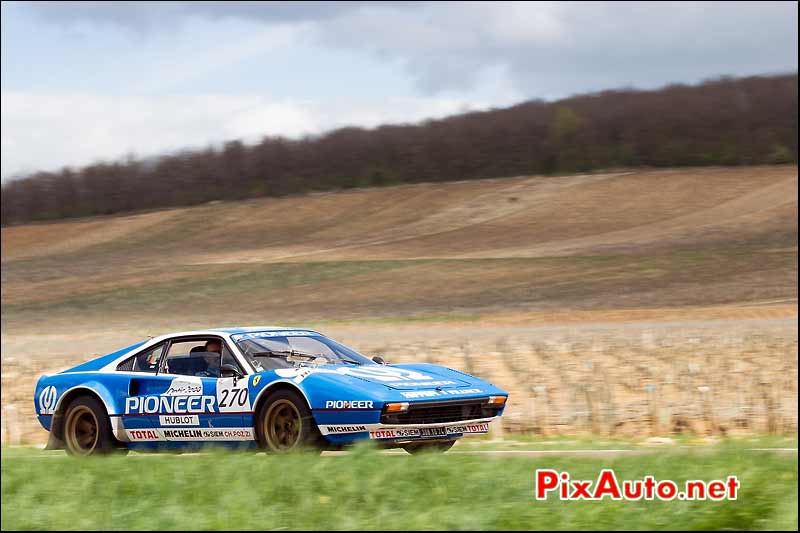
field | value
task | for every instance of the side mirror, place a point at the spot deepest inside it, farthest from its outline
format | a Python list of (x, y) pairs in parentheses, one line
[(378, 359), (228, 371)]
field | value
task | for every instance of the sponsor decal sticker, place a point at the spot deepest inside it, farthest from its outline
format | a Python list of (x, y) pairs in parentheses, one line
[(393, 433), (326, 430), (421, 383), (399, 433), (433, 432), (256, 379), (184, 386), (135, 435), (169, 404), (232, 398), (394, 377), (437, 394), (179, 420), (469, 428), (384, 374), (456, 392), (47, 400), (420, 394), (190, 434), (268, 334), (208, 434), (348, 404)]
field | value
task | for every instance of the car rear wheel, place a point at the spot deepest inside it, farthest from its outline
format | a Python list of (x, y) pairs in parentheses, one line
[(436, 447), (87, 430), (285, 423)]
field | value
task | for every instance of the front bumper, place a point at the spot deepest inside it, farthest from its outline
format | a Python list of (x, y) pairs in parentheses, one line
[(405, 433)]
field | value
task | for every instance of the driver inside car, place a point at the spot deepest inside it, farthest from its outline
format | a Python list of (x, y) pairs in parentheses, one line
[(212, 357)]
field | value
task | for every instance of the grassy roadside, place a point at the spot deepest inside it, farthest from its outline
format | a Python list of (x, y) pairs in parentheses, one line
[(685, 442), (370, 491)]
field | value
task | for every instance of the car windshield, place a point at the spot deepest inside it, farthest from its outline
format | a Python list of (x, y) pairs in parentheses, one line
[(268, 350)]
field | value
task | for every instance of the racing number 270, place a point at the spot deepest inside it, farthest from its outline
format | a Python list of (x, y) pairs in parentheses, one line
[(233, 397)]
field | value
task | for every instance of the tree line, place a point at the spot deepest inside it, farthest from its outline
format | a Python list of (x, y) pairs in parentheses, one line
[(726, 121)]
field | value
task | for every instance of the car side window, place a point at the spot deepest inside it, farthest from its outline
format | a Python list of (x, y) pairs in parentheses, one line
[(229, 359), (146, 361), (193, 358)]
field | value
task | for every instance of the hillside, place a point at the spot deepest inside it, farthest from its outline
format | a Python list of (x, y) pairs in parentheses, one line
[(639, 239)]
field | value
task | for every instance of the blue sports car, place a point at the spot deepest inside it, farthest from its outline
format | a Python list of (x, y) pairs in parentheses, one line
[(267, 387)]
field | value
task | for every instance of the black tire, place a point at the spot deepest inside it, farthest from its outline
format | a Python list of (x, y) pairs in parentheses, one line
[(436, 447), (87, 430), (284, 423)]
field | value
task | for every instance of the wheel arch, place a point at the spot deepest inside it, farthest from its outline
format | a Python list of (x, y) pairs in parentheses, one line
[(57, 425), (285, 385), (264, 393)]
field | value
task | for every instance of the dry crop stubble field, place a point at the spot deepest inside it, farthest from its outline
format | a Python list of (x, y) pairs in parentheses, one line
[(626, 303)]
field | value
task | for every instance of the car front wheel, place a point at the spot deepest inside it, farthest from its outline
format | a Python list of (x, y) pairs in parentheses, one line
[(285, 423)]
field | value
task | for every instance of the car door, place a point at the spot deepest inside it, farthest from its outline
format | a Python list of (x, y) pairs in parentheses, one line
[(200, 407)]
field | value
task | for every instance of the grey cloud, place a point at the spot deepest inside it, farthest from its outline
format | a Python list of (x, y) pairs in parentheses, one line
[(547, 48), (152, 15), (553, 49)]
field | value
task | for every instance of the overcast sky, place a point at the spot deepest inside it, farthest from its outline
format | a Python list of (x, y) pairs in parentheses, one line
[(85, 81)]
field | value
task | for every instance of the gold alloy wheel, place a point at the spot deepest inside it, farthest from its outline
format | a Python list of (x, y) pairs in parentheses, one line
[(81, 430), (282, 425)]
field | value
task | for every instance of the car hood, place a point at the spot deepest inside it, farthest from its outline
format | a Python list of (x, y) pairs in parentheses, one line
[(393, 377), (412, 377)]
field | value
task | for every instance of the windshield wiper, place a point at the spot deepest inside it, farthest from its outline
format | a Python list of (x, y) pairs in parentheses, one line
[(272, 353), (287, 354), (295, 353)]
